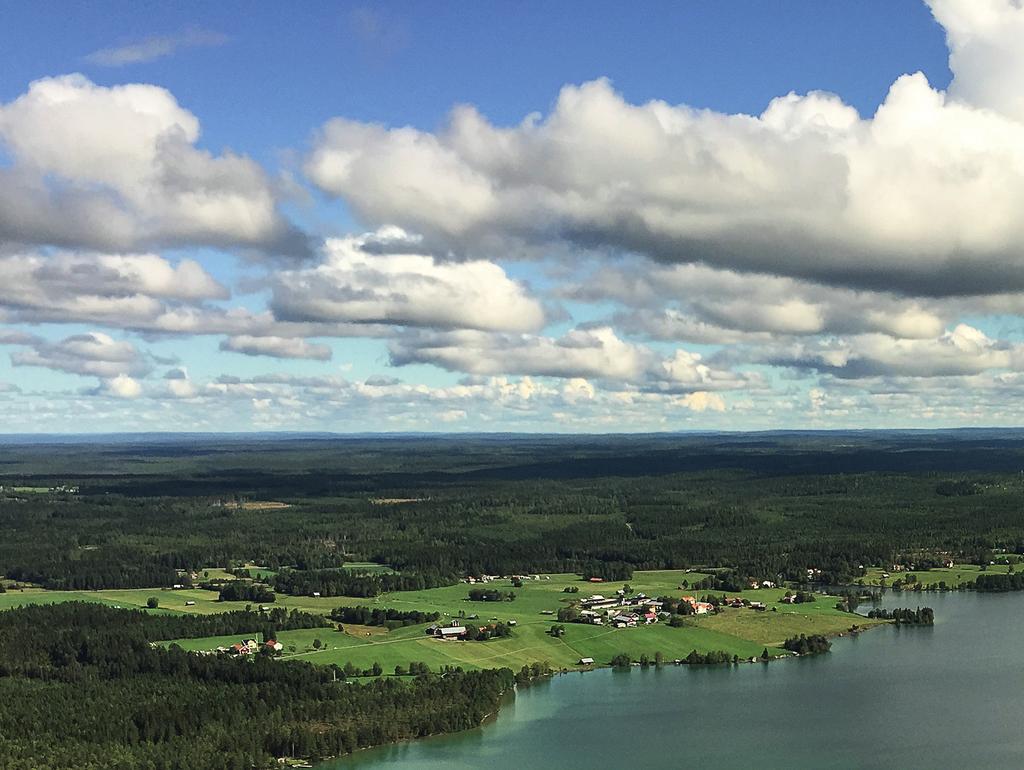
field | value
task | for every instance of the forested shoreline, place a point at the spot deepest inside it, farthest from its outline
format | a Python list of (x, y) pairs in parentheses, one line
[(84, 687)]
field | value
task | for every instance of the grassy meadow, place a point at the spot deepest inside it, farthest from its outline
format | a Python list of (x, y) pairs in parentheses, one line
[(954, 577), (743, 632)]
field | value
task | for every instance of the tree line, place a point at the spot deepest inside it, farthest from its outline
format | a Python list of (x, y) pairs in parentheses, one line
[(241, 591), (815, 644), (922, 616), (996, 583), (490, 595), (342, 582), (380, 616)]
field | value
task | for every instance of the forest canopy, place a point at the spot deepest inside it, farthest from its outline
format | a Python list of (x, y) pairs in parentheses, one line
[(436, 509)]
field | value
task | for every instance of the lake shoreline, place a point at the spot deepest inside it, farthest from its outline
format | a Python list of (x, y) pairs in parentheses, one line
[(806, 707), (511, 694)]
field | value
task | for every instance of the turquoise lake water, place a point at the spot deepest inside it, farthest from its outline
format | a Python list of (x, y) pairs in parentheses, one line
[(947, 696)]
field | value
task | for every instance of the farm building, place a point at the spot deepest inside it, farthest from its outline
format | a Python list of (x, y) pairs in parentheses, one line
[(245, 647), (699, 608), (454, 631), (625, 620)]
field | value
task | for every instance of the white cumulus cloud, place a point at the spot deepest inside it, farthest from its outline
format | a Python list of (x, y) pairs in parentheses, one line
[(121, 386), (575, 356), (923, 197), (276, 347), (118, 168), (94, 353), (383, 278)]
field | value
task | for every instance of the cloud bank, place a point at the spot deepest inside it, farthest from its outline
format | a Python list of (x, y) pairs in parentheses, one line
[(808, 189), (603, 265)]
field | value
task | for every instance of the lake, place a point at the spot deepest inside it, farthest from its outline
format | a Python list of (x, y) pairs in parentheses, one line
[(946, 696)]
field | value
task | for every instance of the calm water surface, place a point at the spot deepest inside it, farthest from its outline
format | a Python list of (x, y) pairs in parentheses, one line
[(947, 696)]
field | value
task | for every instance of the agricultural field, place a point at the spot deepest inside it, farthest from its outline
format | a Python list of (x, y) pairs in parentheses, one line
[(954, 577), (529, 643), (771, 629), (775, 506), (20, 598), (743, 632)]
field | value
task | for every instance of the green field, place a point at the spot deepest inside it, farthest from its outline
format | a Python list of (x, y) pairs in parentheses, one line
[(954, 577), (741, 632), (773, 628), (13, 599), (530, 643)]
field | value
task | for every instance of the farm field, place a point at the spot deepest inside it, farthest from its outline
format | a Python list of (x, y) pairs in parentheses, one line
[(21, 598), (741, 632), (171, 600), (530, 643), (958, 575), (773, 628)]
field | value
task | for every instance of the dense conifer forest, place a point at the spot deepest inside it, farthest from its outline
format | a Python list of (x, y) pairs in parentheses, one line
[(342, 582), (87, 686), (438, 508), (380, 616), (83, 687)]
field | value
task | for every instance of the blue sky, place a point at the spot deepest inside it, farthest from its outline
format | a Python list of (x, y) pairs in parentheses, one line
[(481, 216), (283, 70)]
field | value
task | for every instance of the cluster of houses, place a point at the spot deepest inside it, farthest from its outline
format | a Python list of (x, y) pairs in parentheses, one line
[(699, 608), (251, 647), (620, 611), (947, 563), (471, 579), (633, 619), (623, 611), (736, 601)]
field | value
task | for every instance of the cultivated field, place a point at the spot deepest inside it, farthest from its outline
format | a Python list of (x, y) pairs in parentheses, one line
[(956, 576), (743, 632)]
